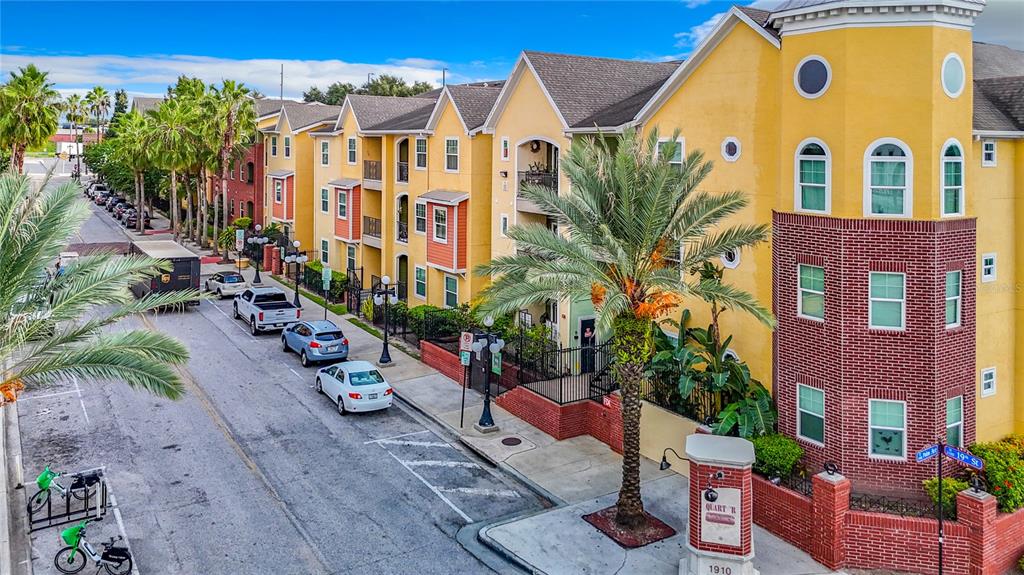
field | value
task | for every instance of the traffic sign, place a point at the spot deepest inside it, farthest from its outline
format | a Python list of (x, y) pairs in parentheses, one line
[(496, 363), (927, 453), (964, 457), (239, 239), (325, 276), (466, 341), (464, 357)]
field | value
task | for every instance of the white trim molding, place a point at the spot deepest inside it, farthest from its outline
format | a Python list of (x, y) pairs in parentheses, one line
[(942, 178), (963, 75), (797, 157), (828, 76), (817, 17), (908, 190)]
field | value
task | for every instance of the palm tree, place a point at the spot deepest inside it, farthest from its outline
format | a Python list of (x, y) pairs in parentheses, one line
[(235, 122), (74, 111), (98, 100), (133, 150), (628, 213), (170, 137), (29, 112), (55, 327)]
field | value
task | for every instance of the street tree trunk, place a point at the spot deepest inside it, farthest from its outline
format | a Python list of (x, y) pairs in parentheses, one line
[(188, 208), (174, 206), (632, 351), (141, 220), (216, 223), (18, 158)]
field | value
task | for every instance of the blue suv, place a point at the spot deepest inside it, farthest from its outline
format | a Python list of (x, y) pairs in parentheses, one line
[(315, 341)]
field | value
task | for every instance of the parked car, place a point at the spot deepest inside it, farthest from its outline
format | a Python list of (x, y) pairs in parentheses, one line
[(355, 386), (128, 212), (114, 202), (120, 208), (101, 198), (265, 308), (226, 284), (315, 341), (133, 220), (94, 188)]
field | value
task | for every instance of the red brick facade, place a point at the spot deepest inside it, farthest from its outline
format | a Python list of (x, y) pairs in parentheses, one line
[(922, 365), (245, 194), (732, 479)]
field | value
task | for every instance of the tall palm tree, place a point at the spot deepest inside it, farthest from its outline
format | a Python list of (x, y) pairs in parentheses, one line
[(54, 327), (133, 150), (170, 137), (627, 209), (98, 100), (29, 111), (235, 121), (74, 111)]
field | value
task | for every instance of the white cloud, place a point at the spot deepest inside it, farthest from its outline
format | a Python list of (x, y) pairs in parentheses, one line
[(696, 34), (696, 3), (151, 74)]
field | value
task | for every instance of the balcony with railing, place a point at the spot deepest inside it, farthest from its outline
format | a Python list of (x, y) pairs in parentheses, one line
[(536, 176), (402, 232), (402, 175), (372, 171), (372, 231)]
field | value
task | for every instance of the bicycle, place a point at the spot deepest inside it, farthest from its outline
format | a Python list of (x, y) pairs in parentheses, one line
[(73, 558), (83, 487)]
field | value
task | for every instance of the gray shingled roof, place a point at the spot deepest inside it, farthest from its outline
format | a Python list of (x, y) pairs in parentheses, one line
[(474, 101), (998, 88), (391, 112), (143, 104), (760, 17), (302, 115), (268, 106), (995, 61), (599, 92)]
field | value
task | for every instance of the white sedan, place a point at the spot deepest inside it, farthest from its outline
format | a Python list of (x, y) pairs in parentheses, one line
[(226, 284), (354, 386)]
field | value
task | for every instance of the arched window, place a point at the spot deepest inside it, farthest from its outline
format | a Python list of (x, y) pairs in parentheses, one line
[(813, 174), (888, 179), (249, 172), (952, 179)]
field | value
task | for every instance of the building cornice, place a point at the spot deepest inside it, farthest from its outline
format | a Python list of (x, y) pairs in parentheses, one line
[(959, 14)]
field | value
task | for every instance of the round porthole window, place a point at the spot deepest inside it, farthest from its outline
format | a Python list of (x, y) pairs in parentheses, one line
[(731, 259), (812, 77), (953, 75), (730, 149)]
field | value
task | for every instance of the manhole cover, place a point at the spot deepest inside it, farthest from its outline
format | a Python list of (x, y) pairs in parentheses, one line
[(511, 441)]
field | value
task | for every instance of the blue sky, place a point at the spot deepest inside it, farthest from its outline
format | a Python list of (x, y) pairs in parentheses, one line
[(143, 46)]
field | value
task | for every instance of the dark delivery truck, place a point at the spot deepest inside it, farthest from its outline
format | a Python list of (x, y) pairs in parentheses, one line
[(182, 274)]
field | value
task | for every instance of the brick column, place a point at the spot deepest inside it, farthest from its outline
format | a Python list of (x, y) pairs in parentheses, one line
[(977, 511), (268, 257), (830, 503)]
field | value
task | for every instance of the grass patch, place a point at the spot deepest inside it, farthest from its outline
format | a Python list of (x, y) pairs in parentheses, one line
[(337, 308), (367, 328)]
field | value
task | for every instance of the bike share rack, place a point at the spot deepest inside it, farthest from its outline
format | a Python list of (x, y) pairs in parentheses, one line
[(71, 509)]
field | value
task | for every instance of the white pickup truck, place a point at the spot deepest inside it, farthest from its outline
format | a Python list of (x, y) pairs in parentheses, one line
[(265, 308)]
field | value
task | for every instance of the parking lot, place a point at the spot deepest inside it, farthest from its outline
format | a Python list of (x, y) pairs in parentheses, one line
[(254, 472)]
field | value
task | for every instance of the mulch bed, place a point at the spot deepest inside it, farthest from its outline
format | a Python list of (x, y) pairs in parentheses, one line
[(654, 530)]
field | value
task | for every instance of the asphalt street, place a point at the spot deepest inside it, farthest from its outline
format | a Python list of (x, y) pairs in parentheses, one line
[(253, 471)]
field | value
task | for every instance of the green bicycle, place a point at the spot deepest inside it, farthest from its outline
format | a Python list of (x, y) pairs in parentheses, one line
[(83, 487), (116, 560)]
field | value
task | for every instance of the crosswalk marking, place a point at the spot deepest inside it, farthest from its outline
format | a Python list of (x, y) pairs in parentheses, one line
[(414, 443), (429, 463), (480, 491)]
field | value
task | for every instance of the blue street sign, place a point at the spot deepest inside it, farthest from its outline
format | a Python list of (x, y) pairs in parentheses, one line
[(927, 453), (964, 457)]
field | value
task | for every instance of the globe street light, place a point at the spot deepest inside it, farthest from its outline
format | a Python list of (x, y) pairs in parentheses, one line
[(494, 345), (385, 296), (256, 243)]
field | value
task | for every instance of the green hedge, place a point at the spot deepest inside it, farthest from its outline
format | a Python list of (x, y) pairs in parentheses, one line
[(950, 487), (312, 276), (1004, 470), (776, 455)]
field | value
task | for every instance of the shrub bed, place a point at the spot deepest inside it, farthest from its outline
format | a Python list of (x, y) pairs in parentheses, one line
[(776, 455)]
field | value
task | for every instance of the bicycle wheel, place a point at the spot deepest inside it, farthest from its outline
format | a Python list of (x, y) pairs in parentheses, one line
[(79, 494), (66, 563), (122, 568), (38, 501)]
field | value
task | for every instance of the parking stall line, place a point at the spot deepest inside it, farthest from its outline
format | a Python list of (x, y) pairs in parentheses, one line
[(481, 491), (433, 488), (57, 394), (414, 443), (80, 400), (396, 436), (234, 322), (432, 463)]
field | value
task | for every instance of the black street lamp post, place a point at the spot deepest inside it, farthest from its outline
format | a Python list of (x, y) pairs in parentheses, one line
[(256, 243), (494, 345), (386, 295), (298, 259)]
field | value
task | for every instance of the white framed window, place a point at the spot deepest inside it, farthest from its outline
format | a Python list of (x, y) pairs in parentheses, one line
[(677, 157), (810, 416), (888, 179), (988, 382), (277, 191), (351, 257), (812, 173), (953, 75), (505, 149), (352, 151), (887, 305), (325, 255), (325, 153), (420, 217), (325, 201), (342, 204), (451, 154), (887, 437), (273, 146), (504, 225), (451, 291), (731, 149), (420, 286), (988, 153), (231, 172), (812, 76), (440, 224), (287, 147), (421, 153), (810, 302), (952, 177), (988, 267), (955, 421), (953, 299)]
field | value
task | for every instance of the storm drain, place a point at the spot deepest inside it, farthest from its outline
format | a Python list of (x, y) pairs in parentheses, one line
[(510, 441)]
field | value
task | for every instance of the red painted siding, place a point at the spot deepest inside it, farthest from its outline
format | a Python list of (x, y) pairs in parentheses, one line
[(463, 231), (441, 254), (355, 210), (289, 196), (278, 210), (341, 225)]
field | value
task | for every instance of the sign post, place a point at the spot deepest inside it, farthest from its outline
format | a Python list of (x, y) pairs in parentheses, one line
[(239, 244), (325, 276), (465, 347), (941, 450)]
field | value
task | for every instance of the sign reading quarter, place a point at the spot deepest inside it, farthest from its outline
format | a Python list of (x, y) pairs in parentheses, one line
[(720, 519)]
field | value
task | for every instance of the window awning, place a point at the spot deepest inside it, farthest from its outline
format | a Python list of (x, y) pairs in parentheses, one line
[(280, 174), (445, 197), (348, 183)]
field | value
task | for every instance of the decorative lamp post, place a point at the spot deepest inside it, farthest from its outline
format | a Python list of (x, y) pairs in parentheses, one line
[(297, 259), (256, 244), (385, 296), (494, 345)]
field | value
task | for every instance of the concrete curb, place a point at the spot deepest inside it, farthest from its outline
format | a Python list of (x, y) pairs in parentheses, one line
[(500, 549), (18, 544)]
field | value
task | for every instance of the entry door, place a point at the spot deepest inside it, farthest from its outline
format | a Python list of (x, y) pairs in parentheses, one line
[(588, 339)]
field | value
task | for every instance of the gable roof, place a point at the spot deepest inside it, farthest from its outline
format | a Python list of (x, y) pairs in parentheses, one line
[(472, 104), (998, 88), (266, 107), (388, 113), (302, 116), (143, 104)]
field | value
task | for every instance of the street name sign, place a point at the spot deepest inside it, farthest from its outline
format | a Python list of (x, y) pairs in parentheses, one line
[(927, 453), (964, 457)]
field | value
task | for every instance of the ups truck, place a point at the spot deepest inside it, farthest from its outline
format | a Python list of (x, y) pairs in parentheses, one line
[(182, 275)]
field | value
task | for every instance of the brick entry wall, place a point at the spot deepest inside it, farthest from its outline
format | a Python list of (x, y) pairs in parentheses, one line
[(923, 365)]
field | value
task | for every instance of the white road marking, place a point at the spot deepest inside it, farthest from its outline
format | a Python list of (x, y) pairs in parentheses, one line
[(434, 489), (413, 443), (28, 397), (120, 525), (481, 491), (233, 322), (432, 463), (396, 436), (296, 374), (80, 400)]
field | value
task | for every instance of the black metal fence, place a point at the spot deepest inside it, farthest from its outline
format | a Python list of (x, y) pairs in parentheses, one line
[(565, 375), (906, 507)]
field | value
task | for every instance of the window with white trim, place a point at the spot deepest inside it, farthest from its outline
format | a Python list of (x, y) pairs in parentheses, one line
[(277, 191), (676, 160), (325, 201), (988, 267), (505, 149), (325, 256), (988, 382), (420, 285), (342, 204), (273, 146), (287, 147), (441, 224), (451, 291), (988, 153), (813, 178), (325, 153), (451, 154), (420, 217), (504, 225), (352, 151), (811, 300), (351, 257), (952, 181), (810, 418), (231, 172), (953, 299), (888, 179), (421, 153), (887, 300), (888, 428), (955, 421)]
